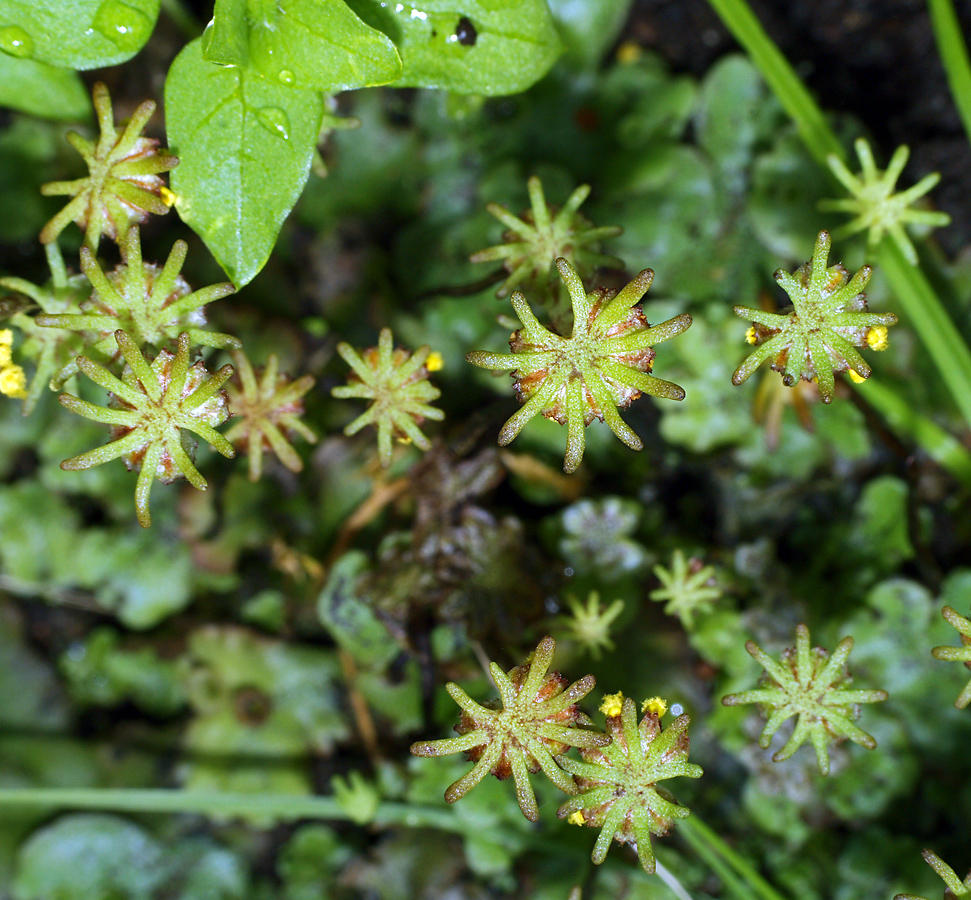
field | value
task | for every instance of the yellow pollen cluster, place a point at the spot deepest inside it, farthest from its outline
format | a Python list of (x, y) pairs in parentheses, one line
[(656, 705), (751, 335), (577, 818), (876, 337), (435, 362), (612, 704), (13, 382)]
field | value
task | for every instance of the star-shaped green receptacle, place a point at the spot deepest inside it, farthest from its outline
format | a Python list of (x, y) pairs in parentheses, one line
[(604, 364), (589, 625), (875, 206), (536, 721), (958, 654), (618, 784), (123, 184), (152, 305), (806, 684), (152, 405), (267, 406), (397, 384), (688, 587), (955, 887), (817, 339), (535, 240)]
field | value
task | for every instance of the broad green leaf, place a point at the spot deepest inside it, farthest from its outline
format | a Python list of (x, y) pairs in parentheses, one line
[(467, 46), (245, 145), (42, 90), (301, 43), (79, 34)]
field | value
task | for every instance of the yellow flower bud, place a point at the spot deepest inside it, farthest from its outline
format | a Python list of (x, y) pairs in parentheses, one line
[(612, 704), (434, 362), (876, 337)]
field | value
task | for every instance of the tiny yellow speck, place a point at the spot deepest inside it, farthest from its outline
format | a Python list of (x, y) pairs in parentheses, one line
[(169, 198), (13, 382), (434, 362), (612, 704), (628, 52), (6, 336), (876, 337), (856, 377), (576, 818), (656, 705), (751, 335), (402, 439)]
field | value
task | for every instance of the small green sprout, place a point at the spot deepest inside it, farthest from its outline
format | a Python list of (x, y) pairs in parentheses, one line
[(806, 684), (876, 207), (817, 339), (123, 184), (267, 407), (153, 305), (604, 364), (955, 887), (958, 654), (590, 625), (397, 383), (536, 722), (540, 236), (688, 587), (618, 784), (152, 404)]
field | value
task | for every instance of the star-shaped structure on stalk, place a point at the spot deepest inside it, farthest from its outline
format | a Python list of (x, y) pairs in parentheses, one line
[(807, 684)]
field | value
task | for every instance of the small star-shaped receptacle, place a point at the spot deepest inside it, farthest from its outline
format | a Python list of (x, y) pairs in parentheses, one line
[(267, 407), (396, 383), (151, 304), (807, 684), (688, 587), (153, 404), (604, 364), (819, 337), (536, 721), (617, 785), (124, 181), (535, 240), (877, 209)]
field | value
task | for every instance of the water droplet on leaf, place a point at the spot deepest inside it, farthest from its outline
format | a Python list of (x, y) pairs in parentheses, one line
[(14, 41), (126, 27), (286, 76), (274, 120)]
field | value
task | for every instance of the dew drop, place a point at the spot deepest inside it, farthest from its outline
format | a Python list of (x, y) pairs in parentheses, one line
[(126, 27), (274, 120), (14, 41), (286, 76)]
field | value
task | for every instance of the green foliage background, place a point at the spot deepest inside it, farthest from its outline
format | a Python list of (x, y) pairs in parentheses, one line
[(263, 639)]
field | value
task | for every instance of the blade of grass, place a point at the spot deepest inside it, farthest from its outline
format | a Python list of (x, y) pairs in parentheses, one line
[(206, 803), (730, 866), (954, 55)]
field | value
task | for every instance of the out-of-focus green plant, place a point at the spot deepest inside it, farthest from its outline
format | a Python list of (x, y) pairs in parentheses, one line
[(688, 587), (958, 654)]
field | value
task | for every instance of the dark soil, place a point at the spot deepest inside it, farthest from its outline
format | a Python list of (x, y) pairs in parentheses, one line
[(873, 59)]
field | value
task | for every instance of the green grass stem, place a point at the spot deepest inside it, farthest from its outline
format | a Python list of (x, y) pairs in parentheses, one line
[(954, 55), (736, 872)]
